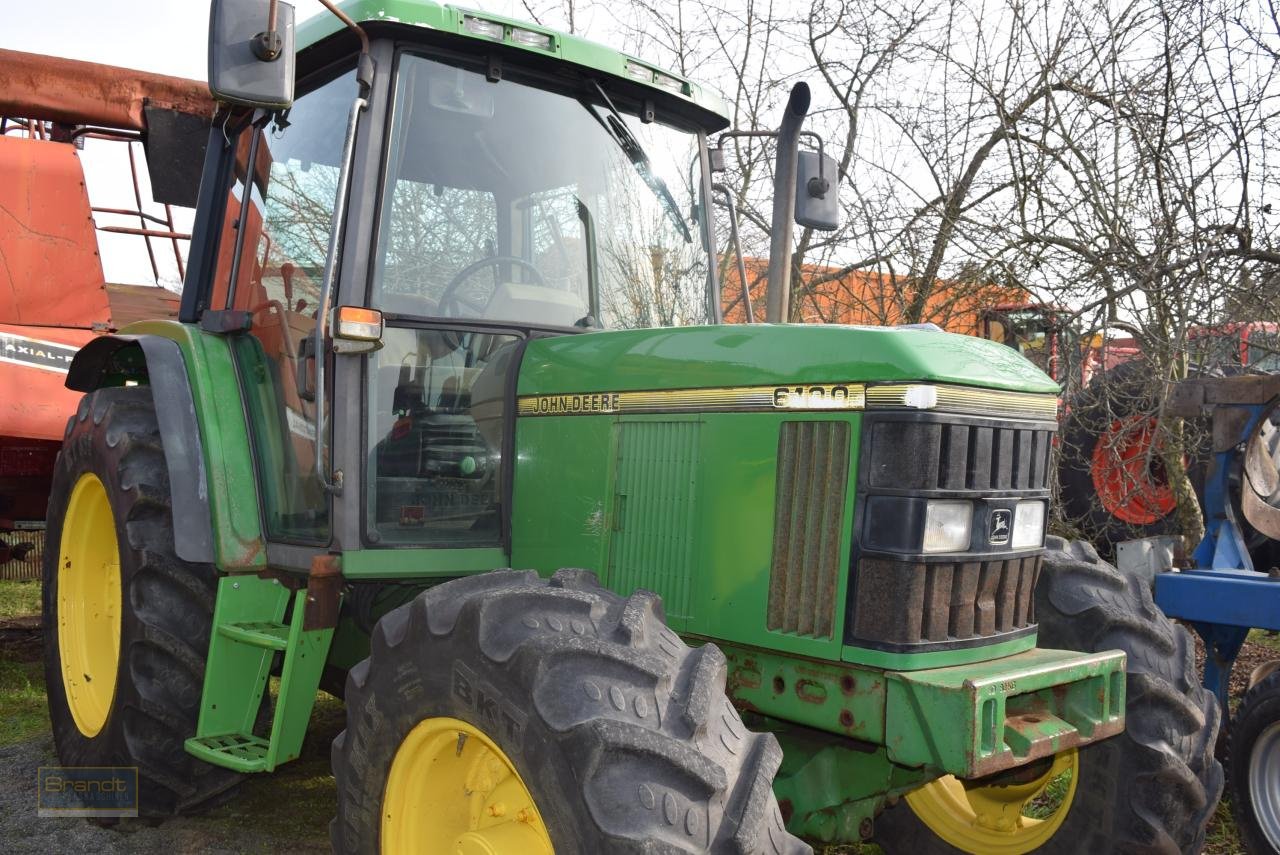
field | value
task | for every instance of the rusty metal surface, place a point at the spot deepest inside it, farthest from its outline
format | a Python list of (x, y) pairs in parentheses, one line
[(324, 593), (1192, 398), (51, 275), (77, 93)]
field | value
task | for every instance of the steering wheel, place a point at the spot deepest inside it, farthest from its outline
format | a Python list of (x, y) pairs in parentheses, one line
[(453, 304)]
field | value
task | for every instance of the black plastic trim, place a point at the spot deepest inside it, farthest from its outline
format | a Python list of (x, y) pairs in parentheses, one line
[(892, 526), (211, 203), (179, 431), (903, 515)]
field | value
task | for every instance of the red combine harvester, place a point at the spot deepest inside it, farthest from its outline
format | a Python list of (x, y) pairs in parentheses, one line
[(54, 295)]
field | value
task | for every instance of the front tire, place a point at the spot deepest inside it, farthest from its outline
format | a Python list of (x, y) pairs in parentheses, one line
[(1253, 767), (554, 715), (1152, 788), (128, 621)]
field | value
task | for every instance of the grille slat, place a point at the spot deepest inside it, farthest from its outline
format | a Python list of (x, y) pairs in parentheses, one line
[(904, 603), (812, 477)]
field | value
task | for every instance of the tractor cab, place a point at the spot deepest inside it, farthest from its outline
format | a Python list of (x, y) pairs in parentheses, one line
[(492, 197)]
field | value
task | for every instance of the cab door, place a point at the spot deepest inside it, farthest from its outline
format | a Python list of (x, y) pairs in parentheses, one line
[(272, 263)]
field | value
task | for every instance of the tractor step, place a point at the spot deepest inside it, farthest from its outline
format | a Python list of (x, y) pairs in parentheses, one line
[(270, 636), (258, 624), (243, 752)]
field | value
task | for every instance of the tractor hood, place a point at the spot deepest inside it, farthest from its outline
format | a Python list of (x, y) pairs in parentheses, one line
[(759, 354)]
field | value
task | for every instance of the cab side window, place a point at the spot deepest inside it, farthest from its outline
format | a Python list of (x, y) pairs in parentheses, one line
[(437, 400)]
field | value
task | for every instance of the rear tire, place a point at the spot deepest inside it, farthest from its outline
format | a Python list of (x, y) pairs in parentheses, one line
[(164, 612), (620, 733), (1253, 767), (1151, 788)]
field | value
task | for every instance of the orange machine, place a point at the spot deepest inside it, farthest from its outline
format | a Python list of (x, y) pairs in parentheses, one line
[(53, 294)]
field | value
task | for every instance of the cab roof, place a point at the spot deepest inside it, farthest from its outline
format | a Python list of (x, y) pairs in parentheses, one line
[(482, 27)]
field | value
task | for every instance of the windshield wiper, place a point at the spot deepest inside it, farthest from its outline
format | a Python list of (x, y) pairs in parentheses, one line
[(616, 128)]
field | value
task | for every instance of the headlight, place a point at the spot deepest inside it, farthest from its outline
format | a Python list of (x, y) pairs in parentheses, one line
[(946, 526), (1028, 525)]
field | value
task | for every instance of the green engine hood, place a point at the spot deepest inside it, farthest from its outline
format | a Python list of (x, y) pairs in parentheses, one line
[(759, 354)]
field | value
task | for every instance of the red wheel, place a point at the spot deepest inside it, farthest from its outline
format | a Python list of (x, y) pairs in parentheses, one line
[(1111, 460), (1128, 472)]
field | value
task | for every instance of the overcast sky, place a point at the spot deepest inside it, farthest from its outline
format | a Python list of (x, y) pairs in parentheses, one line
[(163, 36)]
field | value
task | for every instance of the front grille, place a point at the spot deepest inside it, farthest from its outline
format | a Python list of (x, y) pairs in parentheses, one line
[(928, 455), (906, 601), (905, 604), (813, 473)]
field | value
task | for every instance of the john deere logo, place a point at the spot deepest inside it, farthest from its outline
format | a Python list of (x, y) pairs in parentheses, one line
[(998, 531)]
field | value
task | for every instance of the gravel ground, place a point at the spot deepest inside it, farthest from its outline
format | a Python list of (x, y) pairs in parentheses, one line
[(285, 812), (21, 831)]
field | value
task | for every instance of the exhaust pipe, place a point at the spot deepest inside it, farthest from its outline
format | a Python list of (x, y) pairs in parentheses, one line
[(778, 296)]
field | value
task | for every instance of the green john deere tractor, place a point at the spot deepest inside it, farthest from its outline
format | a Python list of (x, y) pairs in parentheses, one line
[(451, 307)]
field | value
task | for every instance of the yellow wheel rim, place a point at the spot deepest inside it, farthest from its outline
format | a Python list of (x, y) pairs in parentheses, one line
[(993, 819), (89, 605), (452, 791)]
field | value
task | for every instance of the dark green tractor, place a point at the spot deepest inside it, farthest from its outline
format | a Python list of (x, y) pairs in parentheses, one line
[(452, 307)]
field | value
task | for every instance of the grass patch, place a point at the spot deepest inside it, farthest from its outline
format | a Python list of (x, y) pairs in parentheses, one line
[(1221, 838), (19, 599), (1048, 802), (1265, 638), (23, 710)]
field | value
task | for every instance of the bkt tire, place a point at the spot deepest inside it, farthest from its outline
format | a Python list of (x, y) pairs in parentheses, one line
[(127, 621), (508, 713)]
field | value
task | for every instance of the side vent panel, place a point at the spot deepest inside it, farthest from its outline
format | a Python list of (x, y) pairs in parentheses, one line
[(813, 472), (653, 512)]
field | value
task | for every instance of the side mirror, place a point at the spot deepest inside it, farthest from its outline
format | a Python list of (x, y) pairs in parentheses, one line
[(250, 60), (817, 192)]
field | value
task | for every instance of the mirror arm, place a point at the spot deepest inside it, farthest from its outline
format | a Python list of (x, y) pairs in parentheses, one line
[(737, 248), (351, 25)]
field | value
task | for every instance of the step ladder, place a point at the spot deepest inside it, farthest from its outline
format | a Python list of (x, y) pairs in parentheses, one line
[(249, 632)]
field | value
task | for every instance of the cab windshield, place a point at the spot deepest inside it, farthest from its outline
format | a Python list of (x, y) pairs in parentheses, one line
[(512, 203)]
